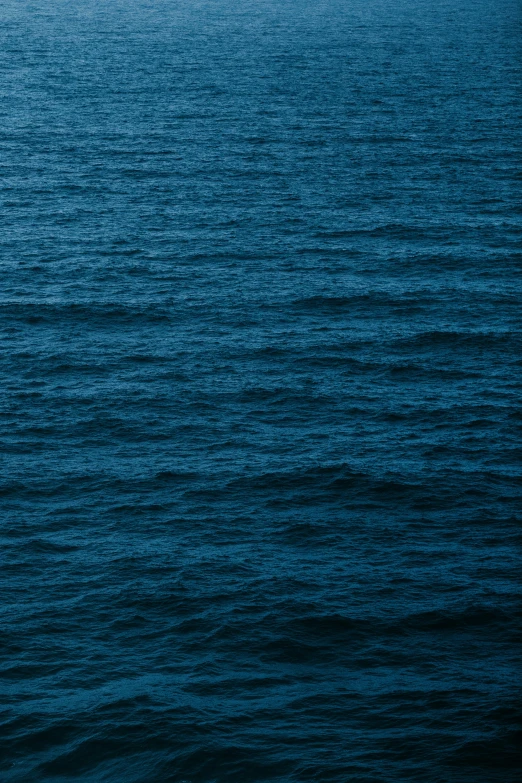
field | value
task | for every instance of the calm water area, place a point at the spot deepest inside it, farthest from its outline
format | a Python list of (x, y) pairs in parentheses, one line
[(260, 371)]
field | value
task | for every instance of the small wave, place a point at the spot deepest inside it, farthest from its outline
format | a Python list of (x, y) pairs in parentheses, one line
[(44, 546), (92, 313), (437, 338), (369, 299), (472, 618)]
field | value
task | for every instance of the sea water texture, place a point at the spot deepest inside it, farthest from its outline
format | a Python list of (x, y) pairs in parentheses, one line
[(261, 360)]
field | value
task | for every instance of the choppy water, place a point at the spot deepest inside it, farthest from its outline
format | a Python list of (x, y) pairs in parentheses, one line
[(261, 376)]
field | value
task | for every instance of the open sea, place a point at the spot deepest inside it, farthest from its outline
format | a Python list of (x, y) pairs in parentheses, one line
[(261, 381)]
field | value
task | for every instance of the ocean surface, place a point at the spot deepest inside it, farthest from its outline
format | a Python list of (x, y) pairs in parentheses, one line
[(260, 410)]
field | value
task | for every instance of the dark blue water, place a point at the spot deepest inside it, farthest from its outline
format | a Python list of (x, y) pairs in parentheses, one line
[(260, 418)]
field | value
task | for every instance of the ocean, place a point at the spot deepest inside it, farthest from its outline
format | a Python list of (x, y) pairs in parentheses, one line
[(260, 421)]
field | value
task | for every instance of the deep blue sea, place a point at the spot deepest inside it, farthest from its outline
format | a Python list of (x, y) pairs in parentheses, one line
[(261, 381)]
